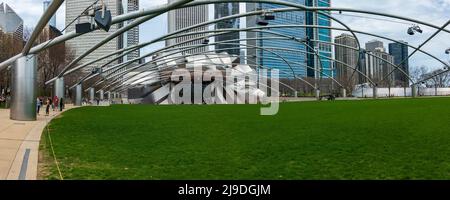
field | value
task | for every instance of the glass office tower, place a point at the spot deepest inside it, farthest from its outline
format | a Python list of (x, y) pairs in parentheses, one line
[(320, 34), (223, 10), (400, 53), (270, 60)]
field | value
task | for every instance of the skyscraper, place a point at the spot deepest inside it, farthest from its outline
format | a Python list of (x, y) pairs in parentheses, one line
[(10, 22), (223, 10), (378, 69), (348, 56), (252, 50), (52, 21), (131, 37), (296, 58), (400, 53), (374, 44), (185, 17), (83, 43), (321, 34)]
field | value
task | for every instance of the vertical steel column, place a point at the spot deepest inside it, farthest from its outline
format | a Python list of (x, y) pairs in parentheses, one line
[(375, 92), (344, 93), (23, 89), (92, 94), (78, 95), (414, 90), (59, 87), (317, 93), (102, 94)]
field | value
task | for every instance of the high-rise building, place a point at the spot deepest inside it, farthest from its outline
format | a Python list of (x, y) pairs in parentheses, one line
[(185, 17), (10, 22), (374, 44), (251, 51), (378, 69), (269, 58), (400, 53), (343, 54), (131, 37), (223, 10), (52, 21), (322, 35), (83, 43)]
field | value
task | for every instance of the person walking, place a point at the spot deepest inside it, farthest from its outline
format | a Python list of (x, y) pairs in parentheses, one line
[(48, 102), (38, 105), (55, 103), (61, 104)]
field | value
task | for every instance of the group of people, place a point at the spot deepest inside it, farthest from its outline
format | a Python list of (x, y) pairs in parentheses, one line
[(55, 103)]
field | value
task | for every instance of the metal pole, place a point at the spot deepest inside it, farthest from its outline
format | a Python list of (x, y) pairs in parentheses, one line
[(59, 87), (375, 92), (102, 94), (23, 89), (78, 95), (344, 93), (92, 94), (413, 90)]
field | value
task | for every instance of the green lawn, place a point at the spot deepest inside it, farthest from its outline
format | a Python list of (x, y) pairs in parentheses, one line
[(371, 139)]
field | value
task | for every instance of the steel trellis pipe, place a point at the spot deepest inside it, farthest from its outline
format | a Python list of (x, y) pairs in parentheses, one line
[(420, 46), (120, 31), (143, 12)]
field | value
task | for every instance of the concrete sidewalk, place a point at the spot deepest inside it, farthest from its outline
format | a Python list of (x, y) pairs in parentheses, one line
[(19, 145)]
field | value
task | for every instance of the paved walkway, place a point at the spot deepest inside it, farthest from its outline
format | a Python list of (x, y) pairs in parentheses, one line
[(19, 145)]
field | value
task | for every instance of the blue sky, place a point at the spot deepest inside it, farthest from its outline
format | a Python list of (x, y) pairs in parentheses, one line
[(431, 11)]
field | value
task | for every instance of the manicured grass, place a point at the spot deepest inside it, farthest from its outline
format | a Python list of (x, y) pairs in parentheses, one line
[(372, 139)]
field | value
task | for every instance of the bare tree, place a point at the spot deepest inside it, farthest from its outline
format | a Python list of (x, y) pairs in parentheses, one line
[(9, 46), (52, 60), (422, 72), (417, 73), (441, 80)]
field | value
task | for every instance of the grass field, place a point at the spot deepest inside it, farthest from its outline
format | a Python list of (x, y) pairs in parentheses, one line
[(372, 139)]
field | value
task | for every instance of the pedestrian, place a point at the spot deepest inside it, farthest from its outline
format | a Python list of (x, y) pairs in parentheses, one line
[(38, 105), (61, 104), (55, 103), (48, 103)]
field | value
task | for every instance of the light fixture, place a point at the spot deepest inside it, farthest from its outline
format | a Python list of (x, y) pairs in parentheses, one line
[(265, 17), (98, 13), (103, 18), (268, 15), (83, 28), (262, 22), (413, 29)]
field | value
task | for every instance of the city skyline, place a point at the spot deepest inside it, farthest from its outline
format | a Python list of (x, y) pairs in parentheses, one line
[(432, 11)]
